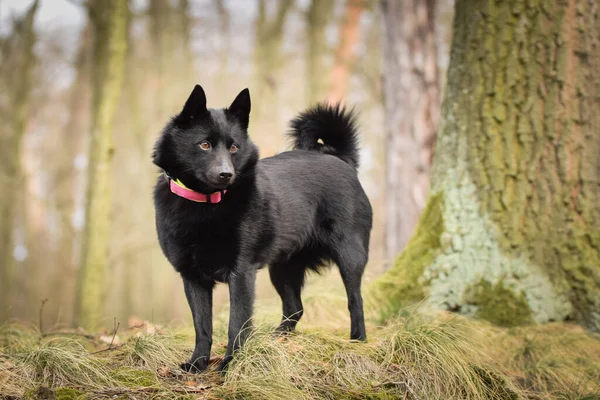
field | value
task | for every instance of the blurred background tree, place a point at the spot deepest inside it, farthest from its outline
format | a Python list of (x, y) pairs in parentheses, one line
[(109, 23), (411, 98), (289, 53), (19, 61), (496, 175)]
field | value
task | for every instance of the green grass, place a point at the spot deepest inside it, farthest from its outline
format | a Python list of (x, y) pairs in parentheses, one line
[(416, 357)]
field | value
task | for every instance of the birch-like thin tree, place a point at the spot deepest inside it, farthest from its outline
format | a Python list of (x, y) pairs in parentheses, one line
[(109, 20), (411, 91), (18, 62)]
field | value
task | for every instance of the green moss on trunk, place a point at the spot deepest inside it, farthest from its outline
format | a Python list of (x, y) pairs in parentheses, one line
[(532, 134), (498, 304), (517, 162), (401, 285)]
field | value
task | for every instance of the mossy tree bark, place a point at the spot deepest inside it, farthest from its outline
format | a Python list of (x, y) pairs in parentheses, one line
[(18, 61), (411, 92), (109, 19), (511, 232)]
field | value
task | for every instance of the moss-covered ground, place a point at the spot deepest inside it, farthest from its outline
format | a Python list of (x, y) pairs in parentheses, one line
[(410, 356)]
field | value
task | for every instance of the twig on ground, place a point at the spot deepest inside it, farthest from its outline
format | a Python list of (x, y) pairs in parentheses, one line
[(123, 390), (107, 349), (41, 321), (116, 325), (112, 341)]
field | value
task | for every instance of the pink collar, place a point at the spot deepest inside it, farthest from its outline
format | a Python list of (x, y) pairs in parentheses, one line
[(181, 190)]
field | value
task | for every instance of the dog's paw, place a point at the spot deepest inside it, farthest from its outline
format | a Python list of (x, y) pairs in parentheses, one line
[(194, 367), (285, 328), (222, 368)]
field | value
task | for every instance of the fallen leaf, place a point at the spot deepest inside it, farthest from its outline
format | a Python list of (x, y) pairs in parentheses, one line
[(135, 322), (295, 347), (164, 371), (149, 328), (108, 339)]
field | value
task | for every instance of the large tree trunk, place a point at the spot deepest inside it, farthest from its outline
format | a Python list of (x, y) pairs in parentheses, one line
[(18, 55), (510, 232), (319, 15), (411, 91), (109, 18), (345, 52)]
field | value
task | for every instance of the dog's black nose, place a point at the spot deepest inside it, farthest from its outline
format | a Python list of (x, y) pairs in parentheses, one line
[(225, 176)]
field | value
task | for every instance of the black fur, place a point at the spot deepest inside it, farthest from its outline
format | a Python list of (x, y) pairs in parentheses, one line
[(295, 211), (334, 125)]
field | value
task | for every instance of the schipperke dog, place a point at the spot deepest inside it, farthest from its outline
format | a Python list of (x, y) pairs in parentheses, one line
[(221, 214)]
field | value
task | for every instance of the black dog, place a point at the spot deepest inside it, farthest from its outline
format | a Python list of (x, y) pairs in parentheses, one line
[(221, 213)]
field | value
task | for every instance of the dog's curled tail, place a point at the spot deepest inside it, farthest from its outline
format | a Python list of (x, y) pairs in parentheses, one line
[(328, 129)]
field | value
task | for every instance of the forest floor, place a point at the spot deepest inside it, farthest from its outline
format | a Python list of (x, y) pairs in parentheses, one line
[(416, 356)]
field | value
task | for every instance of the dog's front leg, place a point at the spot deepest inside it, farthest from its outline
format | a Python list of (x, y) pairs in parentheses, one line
[(241, 299), (199, 296)]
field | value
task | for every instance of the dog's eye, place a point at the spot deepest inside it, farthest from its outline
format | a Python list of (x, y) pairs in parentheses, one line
[(204, 145), (234, 148)]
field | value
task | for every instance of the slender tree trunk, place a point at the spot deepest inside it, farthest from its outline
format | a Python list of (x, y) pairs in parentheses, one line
[(411, 92), (68, 176), (109, 18), (185, 34), (12, 142), (268, 59), (319, 16), (510, 232), (225, 43), (345, 53), (161, 32)]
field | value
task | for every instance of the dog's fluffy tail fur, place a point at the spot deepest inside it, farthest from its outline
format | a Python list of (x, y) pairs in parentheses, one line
[(328, 129)]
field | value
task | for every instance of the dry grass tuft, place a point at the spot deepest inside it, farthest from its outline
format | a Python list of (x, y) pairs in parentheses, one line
[(415, 357)]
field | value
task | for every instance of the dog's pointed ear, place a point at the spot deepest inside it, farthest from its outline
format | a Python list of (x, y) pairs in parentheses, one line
[(240, 108), (195, 106)]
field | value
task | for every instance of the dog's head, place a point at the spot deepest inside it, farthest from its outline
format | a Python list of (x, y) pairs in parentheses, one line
[(207, 149)]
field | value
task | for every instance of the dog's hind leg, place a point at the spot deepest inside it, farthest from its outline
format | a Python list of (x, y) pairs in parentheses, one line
[(351, 260), (288, 279)]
